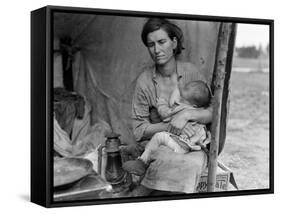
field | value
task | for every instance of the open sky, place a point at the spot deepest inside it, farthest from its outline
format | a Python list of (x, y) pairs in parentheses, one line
[(252, 34)]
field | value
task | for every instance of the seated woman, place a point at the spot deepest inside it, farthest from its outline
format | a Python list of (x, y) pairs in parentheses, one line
[(169, 171), (195, 94)]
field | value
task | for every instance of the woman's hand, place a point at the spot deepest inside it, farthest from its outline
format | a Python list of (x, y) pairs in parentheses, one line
[(154, 117), (188, 130), (179, 122)]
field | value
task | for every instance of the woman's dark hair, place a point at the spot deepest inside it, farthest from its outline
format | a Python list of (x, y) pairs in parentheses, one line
[(172, 30)]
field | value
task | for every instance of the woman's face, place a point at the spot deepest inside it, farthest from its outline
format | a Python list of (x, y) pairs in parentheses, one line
[(160, 46)]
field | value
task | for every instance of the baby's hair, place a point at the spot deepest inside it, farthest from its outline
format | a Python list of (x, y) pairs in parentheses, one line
[(197, 93)]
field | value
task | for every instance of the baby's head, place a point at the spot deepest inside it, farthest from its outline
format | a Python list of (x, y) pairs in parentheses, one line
[(197, 93)]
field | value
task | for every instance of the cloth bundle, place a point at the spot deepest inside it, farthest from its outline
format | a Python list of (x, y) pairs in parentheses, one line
[(67, 107)]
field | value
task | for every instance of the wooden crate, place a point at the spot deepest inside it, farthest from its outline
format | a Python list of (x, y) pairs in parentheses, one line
[(222, 179)]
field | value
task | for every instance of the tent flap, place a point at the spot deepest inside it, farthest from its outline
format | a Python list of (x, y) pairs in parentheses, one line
[(111, 55)]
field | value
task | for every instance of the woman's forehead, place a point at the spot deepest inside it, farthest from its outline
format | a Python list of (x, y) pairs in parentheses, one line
[(157, 35)]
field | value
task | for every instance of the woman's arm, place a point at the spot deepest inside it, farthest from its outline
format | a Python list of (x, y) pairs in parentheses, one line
[(145, 118), (179, 121), (154, 128), (203, 116)]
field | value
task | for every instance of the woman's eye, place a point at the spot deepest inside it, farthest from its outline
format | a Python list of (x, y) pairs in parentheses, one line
[(150, 44), (162, 41)]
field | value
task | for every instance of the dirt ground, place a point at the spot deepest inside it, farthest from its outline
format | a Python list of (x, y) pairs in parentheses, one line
[(246, 151)]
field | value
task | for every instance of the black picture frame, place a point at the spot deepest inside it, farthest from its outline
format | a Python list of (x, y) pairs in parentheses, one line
[(42, 21)]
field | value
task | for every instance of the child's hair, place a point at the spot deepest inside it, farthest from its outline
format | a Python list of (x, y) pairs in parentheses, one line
[(197, 93)]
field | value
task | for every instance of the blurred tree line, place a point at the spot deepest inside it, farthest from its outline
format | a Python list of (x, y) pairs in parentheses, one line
[(252, 51)]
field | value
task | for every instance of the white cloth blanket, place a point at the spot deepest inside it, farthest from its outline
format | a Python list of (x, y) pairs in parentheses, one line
[(84, 139)]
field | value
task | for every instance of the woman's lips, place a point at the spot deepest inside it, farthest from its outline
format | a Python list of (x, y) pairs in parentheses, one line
[(159, 57)]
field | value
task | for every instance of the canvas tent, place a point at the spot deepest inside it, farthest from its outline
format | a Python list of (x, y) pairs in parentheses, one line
[(106, 55)]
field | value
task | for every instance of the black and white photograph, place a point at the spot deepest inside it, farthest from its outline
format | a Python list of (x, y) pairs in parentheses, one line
[(150, 106), (133, 106), (139, 107)]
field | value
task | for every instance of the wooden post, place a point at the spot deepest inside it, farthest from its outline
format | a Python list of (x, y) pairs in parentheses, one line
[(224, 53), (225, 96)]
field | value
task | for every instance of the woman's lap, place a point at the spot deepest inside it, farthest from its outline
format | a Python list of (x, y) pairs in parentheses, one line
[(174, 172)]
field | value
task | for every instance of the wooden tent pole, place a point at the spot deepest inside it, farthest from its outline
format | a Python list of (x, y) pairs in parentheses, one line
[(225, 96), (222, 53)]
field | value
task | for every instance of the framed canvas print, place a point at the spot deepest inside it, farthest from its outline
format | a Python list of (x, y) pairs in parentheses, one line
[(134, 106)]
